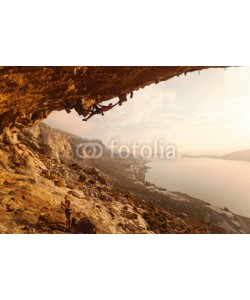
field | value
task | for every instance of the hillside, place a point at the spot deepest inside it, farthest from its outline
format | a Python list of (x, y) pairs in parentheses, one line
[(237, 155), (38, 168)]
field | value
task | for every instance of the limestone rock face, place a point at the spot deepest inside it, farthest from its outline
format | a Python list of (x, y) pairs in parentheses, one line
[(56, 143), (29, 94)]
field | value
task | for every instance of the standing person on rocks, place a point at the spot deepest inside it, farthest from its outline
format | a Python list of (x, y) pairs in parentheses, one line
[(68, 210)]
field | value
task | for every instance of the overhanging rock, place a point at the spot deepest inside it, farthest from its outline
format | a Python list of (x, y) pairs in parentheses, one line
[(29, 94)]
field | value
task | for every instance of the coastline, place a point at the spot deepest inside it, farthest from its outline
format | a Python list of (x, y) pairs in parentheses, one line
[(227, 219)]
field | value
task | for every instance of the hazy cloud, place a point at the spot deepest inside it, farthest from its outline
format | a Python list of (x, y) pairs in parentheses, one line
[(199, 113)]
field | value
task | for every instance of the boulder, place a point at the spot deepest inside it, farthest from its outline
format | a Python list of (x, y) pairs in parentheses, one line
[(47, 218), (129, 215), (28, 217), (131, 226), (54, 176), (84, 225), (60, 183), (114, 210), (75, 194), (71, 185)]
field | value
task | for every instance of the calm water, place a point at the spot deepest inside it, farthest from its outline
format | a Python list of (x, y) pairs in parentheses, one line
[(219, 182)]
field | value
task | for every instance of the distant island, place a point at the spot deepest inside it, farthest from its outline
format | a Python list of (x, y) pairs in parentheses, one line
[(237, 155)]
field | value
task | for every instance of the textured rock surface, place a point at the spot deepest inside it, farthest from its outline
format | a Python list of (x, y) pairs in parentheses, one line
[(30, 94), (31, 197), (34, 183)]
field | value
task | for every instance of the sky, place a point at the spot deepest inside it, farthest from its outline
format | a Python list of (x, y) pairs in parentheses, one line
[(200, 113)]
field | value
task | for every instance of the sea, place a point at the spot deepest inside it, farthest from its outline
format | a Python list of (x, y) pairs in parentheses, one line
[(222, 183)]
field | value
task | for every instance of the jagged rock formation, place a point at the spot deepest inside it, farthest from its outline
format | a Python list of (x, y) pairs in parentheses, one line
[(30, 94)]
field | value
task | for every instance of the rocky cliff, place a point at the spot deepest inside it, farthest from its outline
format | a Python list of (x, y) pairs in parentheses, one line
[(60, 144), (38, 169), (39, 166), (29, 94)]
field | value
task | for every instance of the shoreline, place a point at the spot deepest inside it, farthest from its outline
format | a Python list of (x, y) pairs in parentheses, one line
[(138, 170), (141, 166)]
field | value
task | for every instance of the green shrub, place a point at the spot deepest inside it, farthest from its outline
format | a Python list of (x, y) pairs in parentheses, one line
[(157, 222)]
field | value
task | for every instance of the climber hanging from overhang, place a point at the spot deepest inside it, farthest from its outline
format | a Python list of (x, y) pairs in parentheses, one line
[(99, 109)]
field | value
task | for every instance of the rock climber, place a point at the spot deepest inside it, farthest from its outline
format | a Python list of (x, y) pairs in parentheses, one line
[(67, 210), (99, 109)]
